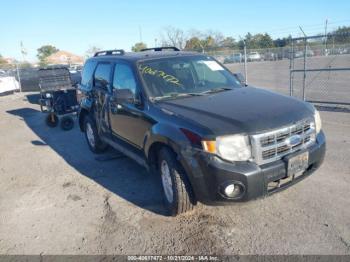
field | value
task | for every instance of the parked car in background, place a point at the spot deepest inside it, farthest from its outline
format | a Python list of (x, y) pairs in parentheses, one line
[(220, 58), (8, 83), (75, 68), (234, 58), (270, 56), (309, 52), (254, 56), (299, 54)]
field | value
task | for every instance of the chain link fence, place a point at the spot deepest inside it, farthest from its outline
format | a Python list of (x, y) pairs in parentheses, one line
[(320, 73), (315, 69)]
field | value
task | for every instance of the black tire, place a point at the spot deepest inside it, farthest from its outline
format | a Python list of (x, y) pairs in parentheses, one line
[(67, 123), (51, 120), (183, 198), (98, 146)]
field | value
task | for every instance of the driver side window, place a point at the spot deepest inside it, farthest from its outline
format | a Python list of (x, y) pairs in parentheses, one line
[(124, 78)]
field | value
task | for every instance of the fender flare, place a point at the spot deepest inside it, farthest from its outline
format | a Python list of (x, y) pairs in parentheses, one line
[(86, 107), (164, 134)]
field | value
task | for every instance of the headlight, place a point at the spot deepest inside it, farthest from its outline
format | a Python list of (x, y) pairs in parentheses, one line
[(231, 148), (318, 122)]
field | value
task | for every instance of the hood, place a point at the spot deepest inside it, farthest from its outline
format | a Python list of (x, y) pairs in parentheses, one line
[(241, 110)]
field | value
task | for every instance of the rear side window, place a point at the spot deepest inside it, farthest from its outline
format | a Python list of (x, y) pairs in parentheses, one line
[(102, 76), (88, 70)]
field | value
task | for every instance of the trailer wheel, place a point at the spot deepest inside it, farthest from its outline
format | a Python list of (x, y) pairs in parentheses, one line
[(67, 123), (51, 120)]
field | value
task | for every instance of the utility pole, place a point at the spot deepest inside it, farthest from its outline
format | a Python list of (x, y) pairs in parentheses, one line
[(23, 51), (305, 49), (140, 33), (245, 63), (325, 33), (19, 77)]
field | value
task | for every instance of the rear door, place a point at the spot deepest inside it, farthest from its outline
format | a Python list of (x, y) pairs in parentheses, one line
[(102, 93)]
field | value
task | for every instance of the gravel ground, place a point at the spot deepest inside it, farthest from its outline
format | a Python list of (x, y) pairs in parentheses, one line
[(58, 198)]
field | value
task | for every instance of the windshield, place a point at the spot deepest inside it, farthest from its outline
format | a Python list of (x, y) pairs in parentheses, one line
[(181, 76)]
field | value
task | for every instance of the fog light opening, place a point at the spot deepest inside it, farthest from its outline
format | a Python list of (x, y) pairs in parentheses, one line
[(233, 190)]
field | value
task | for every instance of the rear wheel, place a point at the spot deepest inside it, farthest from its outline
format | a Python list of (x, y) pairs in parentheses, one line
[(93, 139), (67, 123), (178, 195)]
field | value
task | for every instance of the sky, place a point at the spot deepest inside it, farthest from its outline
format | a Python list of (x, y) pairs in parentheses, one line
[(77, 25)]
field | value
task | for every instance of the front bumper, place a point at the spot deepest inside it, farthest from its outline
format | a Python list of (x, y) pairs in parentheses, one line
[(208, 174)]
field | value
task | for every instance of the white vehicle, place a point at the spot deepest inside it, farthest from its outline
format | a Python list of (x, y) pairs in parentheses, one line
[(8, 84), (254, 56)]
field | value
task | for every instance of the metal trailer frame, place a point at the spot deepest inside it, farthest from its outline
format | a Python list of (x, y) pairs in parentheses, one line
[(58, 98)]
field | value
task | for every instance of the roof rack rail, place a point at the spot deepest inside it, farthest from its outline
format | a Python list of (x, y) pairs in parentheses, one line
[(158, 49), (110, 52)]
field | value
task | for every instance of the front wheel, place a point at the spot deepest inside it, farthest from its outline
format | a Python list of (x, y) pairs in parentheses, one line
[(93, 139), (178, 195)]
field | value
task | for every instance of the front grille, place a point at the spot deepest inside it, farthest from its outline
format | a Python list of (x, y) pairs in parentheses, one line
[(273, 145)]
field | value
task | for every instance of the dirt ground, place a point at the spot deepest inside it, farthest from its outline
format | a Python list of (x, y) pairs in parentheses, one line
[(56, 197)]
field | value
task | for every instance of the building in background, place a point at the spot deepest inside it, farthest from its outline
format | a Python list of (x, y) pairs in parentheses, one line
[(64, 58)]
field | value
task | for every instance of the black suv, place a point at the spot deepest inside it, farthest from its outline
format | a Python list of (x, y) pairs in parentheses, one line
[(186, 117)]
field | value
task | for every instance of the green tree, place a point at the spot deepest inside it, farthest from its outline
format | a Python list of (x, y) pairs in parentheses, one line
[(44, 52), (208, 42), (262, 41), (280, 42), (229, 42), (256, 41), (138, 47), (342, 35), (2, 60), (194, 43), (91, 51)]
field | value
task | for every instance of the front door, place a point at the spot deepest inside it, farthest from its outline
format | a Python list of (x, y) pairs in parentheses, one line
[(127, 120)]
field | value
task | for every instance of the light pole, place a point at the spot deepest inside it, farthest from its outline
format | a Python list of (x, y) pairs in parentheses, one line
[(245, 63)]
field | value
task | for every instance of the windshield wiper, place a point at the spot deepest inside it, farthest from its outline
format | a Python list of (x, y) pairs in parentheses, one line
[(175, 95), (216, 90)]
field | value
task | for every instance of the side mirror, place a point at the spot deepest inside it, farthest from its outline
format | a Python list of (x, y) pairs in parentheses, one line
[(240, 78), (122, 96)]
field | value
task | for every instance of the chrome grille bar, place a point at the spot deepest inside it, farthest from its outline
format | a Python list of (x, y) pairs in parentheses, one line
[(273, 145)]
